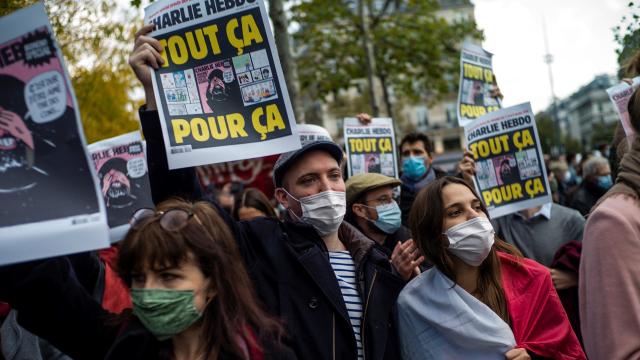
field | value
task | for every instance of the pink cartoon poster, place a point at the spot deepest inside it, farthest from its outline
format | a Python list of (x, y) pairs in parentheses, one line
[(123, 179), (49, 202)]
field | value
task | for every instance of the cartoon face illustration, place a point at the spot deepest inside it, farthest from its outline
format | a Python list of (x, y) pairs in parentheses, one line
[(17, 147), (115, 184), (217, 89)]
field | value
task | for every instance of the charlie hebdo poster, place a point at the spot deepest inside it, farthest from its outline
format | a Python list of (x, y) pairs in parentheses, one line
[(476, 82), (123, 179), (49, 201), (220, 92), (510, 172)]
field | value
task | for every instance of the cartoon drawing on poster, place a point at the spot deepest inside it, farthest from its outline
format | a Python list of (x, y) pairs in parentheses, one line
[(237, 105), (123, 179), (370, 148), (476, 83), (510, 175), (46, 183)]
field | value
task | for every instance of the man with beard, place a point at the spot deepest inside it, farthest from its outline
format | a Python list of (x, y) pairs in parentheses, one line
[(597, 181), (508, 174), (218, 91), (40, 163)]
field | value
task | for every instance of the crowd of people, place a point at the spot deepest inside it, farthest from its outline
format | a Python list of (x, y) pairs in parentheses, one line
[(335, 268)]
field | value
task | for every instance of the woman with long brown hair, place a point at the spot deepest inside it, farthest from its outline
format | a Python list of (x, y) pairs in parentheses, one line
[(481, 299), (192, 297)]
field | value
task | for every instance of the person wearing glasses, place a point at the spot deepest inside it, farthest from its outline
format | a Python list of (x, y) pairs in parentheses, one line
[(481, 299), (192, 297), (334, 289), (372, 209)]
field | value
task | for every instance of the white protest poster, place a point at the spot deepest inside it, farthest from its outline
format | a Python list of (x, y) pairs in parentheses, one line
[(620, 95), (476, 82), (220, 93), (371, 148), (510, 172), (123, 178), (49, 201)]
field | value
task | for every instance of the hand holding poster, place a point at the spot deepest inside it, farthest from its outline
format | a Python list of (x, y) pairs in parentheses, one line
[(620, 95), (510, 172), (476, 82), (49, 202), (372, 147), (220, 91), (123, 179)]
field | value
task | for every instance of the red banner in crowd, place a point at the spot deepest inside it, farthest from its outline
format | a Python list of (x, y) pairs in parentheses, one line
[(256, 173)]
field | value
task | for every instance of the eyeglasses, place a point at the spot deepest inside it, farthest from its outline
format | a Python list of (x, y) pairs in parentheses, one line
[(170, 220), (383, 200)]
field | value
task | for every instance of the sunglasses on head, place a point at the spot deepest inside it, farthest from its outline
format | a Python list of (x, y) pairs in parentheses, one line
[(170, 220)]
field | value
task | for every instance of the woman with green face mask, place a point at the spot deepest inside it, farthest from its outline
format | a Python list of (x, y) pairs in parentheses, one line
[(192, 298)]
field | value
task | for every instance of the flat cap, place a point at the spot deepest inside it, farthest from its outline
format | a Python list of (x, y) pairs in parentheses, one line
[(361, 183)]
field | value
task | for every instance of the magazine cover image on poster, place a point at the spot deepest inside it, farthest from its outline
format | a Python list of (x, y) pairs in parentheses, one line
[(476, 84), (123, 179), (40, 158), (510, 174), (49, 200), (221, 86), (370, 148)]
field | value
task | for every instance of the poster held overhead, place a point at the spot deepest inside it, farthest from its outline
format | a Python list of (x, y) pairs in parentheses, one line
[(49, 201), (371, 148), (476, 82), (123, 178), (510, 172), (220, 92), (620, 95)]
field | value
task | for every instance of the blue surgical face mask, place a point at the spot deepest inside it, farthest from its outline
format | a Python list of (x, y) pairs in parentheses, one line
[(413, 167), (389, 217), (605, 182)]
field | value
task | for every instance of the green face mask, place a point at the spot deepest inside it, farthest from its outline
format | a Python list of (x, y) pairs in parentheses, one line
[(165, 313)]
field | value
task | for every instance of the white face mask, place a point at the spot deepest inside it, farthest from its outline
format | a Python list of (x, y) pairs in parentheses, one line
[(472, 240), (324, 211)]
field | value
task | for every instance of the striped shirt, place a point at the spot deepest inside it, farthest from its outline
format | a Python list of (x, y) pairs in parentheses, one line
[(345, 270)]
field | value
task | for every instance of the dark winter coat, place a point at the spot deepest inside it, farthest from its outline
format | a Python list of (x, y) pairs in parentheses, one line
[(289, 265)]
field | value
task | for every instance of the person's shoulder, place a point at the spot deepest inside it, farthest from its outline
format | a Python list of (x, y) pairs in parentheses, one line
[(524, 266), (565, 213), (415, 287), (615, 213), (439, 172)]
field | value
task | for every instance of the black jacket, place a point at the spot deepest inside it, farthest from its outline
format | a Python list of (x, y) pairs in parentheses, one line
[(585, 197), (52, 304), (289, 266)]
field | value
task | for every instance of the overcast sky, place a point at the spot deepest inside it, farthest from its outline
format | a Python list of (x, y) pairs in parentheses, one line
[(580, 38)]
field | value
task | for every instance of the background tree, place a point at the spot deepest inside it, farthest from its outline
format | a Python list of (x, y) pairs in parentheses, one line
[(627, 35), (416, 50), (95, 39)]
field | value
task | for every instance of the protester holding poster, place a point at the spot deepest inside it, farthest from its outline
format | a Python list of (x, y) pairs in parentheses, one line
[(510, 173), (506, 303), (309, 186), (477, 94), (609, 273), (123, 179), (46, 184), (218, 85), (371, 148)]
